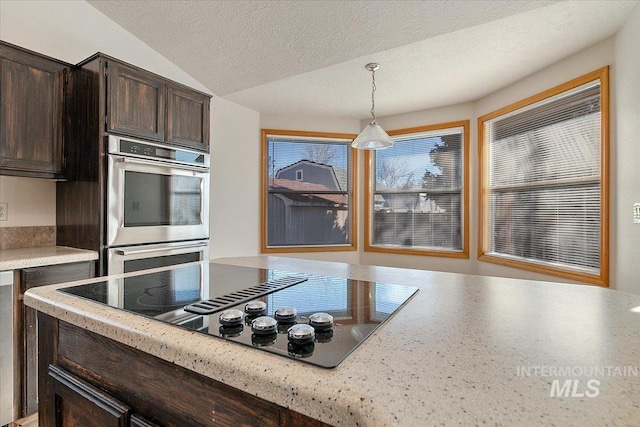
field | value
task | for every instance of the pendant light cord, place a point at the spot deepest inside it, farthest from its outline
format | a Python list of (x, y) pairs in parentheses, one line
[(373, 98)]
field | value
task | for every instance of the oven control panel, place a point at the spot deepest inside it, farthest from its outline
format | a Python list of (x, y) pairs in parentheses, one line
[(152, 151)]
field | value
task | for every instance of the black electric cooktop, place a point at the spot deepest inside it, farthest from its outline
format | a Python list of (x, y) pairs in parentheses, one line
[(194, 296)]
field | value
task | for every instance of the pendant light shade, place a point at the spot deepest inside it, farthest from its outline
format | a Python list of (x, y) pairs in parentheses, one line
[(372, 137)]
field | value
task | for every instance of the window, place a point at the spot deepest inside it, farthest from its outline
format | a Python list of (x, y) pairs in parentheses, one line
[(308, 191), (417, 192), (544, 182)]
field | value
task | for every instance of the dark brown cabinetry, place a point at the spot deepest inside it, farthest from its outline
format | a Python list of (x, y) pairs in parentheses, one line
[(157, 390), (141, 104), (26, 324), (108, 96), (78, 403), (31, 113), (187, 118), (136, 102)]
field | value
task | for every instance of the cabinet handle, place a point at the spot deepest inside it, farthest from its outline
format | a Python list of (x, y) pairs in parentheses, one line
[(145, 251), (173, 165)]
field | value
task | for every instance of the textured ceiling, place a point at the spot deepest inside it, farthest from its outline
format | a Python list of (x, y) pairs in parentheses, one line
[(308, 57)]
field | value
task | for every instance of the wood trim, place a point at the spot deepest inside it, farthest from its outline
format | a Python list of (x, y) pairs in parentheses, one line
[(589, 77), (368, 193), (605, 179), (482, 194), (353, 199), (602, 279)]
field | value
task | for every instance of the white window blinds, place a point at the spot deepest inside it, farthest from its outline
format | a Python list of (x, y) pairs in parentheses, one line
[(544, 181), (417, 192)]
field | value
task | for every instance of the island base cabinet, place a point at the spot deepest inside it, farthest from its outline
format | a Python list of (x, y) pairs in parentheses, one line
[(78, 403), (147, 390)]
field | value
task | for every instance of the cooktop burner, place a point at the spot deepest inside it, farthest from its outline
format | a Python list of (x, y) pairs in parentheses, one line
[(312, 318)]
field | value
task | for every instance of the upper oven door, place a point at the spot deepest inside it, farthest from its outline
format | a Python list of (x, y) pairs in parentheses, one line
[(150, 201)]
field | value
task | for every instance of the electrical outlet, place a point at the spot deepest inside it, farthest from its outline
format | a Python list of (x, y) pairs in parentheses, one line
[(636, 213), (4, 211)]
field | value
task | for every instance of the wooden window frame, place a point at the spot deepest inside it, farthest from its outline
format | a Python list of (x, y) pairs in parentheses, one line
[(353, 199), (370, 186), (602, 279)]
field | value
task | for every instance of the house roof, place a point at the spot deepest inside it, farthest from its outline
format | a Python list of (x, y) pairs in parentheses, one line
[(301, 191), (341, 175)]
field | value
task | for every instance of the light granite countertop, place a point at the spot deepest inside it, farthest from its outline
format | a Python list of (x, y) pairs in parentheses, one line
[(465, 350), (13, 259)]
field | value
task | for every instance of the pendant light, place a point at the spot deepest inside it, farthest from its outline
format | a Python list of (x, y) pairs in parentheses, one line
[(372, 137)]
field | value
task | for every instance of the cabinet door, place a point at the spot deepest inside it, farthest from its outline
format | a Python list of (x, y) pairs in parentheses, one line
[(135, 102), (31, 108), (78, 403), (187, 118), (27, 327)]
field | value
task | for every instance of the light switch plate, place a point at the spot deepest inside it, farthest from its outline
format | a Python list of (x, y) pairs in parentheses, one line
[(636, 213), (4, 211)]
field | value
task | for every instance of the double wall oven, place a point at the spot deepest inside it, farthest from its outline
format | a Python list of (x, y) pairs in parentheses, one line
[(157, 203)]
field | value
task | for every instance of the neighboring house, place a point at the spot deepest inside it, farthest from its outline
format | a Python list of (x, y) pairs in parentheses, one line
[(308, 204), (334, 179)]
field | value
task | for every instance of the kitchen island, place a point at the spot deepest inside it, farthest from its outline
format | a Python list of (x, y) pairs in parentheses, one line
[(464, 350)]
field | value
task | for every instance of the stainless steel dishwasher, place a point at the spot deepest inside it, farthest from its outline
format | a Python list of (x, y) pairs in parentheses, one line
[(6, 347)]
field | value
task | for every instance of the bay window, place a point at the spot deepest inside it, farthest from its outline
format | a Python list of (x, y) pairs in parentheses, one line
[(417, 192), (544, 182), (308, 191)]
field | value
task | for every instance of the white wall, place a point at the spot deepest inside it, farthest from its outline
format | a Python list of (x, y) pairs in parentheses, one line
[(626, 152), (235, 180), (31, 201)]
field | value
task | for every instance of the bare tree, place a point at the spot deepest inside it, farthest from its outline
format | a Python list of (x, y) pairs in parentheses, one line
[(320, 153), (394, 174)]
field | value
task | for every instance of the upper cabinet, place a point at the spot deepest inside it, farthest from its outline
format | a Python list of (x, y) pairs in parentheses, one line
[(31, 113), (187, 118), (136, 102), (52, 114), (143, 104)]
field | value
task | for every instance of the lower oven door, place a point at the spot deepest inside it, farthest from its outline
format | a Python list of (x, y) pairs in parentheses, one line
[(153, 201), (135, 258), (180, 286)]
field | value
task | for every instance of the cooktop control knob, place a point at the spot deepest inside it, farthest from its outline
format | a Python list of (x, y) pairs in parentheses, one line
[(231, 317), (255, 308), (321, 321), (301, 334), (286, 315), (264, 325)]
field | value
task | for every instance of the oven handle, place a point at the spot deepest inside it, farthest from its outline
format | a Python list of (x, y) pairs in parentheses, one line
[(145, 251), (155, 163)]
